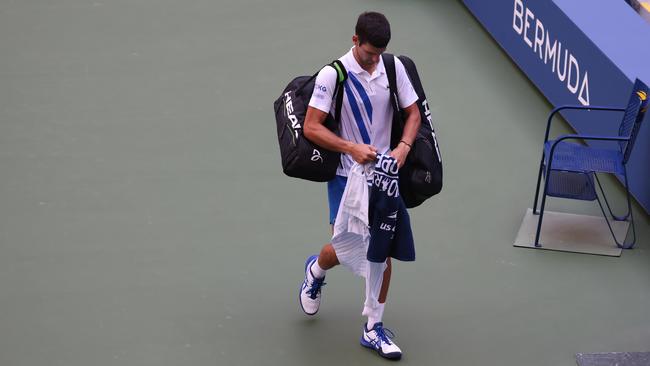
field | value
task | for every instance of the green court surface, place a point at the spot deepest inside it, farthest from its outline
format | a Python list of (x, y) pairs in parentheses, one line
[(145, 219)]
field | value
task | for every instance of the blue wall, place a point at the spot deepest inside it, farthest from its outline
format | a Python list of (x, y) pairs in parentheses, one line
[(580, 54)]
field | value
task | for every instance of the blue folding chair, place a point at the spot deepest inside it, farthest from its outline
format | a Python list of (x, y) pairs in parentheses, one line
[(569, 168)]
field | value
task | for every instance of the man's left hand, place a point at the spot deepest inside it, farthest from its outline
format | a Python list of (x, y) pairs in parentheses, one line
[(399, 153)]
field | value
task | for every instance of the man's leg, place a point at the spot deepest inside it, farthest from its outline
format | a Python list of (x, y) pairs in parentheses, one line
[(315, 267), (327, 257), (375, 336), (377, 283), (383, 294)]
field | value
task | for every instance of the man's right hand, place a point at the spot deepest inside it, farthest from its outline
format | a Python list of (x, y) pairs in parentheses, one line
[(362, 153)]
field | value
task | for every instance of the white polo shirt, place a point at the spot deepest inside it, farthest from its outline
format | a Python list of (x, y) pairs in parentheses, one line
[(366, 114)]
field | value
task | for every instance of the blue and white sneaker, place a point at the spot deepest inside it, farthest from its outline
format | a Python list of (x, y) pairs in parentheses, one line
[(310, 290), (381, 340)]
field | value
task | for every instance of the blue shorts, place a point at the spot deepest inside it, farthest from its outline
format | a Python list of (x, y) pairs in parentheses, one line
[(335, 188)]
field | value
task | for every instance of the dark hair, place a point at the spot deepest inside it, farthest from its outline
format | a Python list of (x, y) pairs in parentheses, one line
[(373, 27)]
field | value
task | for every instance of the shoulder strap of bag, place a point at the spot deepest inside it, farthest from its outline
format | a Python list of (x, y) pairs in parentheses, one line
[(398, 123), (342, 76), (389, 65)]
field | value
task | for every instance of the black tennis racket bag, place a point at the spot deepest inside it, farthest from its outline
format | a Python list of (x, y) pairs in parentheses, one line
[(421, 176), (300, 157)]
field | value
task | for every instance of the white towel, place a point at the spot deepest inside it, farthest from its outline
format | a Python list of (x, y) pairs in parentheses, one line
[(351, 234)]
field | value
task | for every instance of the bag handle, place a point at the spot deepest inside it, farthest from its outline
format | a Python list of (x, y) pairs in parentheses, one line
[(342, 76)]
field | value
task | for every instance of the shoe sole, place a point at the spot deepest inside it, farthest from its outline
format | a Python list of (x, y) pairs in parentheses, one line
[(390, 356), (309, 260)]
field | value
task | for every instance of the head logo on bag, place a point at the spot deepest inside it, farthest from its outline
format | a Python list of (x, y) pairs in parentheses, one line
[(288, 105), (427, 113)]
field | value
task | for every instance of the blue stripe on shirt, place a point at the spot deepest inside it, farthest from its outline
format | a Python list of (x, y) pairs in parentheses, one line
[(357, 114), (362, 94)]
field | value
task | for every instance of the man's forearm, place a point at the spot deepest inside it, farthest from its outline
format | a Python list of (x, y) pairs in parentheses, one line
[(317, 133), (321, 136), (412, 124)]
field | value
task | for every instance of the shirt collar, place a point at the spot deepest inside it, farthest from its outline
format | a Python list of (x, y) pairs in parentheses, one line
[(357, 69)]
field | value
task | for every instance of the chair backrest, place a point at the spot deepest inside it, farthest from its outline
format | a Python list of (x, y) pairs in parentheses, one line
[(634, 114)]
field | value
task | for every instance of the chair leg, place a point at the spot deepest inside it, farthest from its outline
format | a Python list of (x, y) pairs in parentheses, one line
[(629, 210), (609, 208), (539, 178), (609, 225), (541, 210), (620, 244)]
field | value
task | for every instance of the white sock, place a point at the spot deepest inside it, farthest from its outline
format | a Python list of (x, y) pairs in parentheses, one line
[(375, 316), (317, 271), (372, 308)]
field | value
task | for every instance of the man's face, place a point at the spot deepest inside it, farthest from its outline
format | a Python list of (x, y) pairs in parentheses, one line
[(367, 54)]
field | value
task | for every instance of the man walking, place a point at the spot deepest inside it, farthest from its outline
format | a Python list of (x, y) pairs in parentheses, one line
[(365, 133)]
